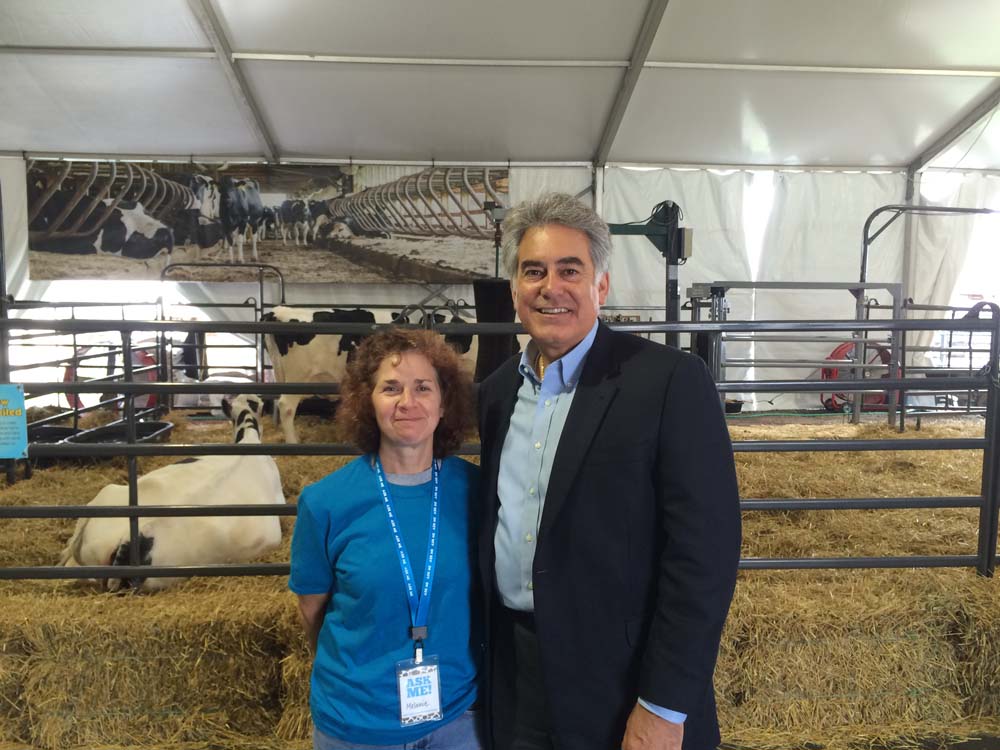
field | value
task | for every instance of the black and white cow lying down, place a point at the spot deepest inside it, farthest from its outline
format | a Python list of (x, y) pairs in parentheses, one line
[(128, 231), (307, 358), (202, 480)]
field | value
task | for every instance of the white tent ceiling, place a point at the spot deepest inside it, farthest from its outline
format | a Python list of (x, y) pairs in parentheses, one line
[(859, 83)]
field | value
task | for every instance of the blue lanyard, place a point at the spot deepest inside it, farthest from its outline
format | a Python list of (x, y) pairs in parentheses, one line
[(419, 606)]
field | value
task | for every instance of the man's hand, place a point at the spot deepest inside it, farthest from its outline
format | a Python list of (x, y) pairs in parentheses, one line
[(647, 731)]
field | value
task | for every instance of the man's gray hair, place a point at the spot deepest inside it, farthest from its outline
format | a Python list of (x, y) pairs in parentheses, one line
[(555, 208)]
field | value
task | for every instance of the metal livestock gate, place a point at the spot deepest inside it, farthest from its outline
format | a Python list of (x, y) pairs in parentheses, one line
[(987, 502)]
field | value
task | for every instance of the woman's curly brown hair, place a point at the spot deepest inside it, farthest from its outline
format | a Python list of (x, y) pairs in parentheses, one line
[(356, 416)]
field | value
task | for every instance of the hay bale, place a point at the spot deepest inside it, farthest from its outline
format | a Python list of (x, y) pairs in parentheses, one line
[(840, 659), (850, 653), (14, 653), (296, 667), (146, 670), (977, 646), (296, 719), (13, 718)]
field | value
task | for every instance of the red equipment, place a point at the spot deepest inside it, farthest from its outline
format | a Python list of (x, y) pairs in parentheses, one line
[(837, 401)]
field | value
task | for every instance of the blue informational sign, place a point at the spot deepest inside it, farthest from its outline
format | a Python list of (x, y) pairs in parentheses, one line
[(13, 422)]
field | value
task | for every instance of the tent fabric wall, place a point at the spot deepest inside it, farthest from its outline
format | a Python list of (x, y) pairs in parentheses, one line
[(814, 234), (941, 243), (712, 205)]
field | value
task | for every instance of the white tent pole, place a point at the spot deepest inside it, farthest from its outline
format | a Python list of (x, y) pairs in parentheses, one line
[(647, 32), (912, 189), (212, 29)]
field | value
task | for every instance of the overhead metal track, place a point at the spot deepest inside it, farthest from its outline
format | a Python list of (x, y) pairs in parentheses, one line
[(647, 32), (445, 61), (318, 57), (244, 99), (826, 69), (956, 131), (14, 49), (165, 158), (285, 161)]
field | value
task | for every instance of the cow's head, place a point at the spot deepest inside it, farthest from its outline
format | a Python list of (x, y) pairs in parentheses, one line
[(206, 195), (246, 412), (121, 557)]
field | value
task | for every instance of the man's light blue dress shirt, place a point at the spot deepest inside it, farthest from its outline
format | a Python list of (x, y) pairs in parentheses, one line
[(525, 465)]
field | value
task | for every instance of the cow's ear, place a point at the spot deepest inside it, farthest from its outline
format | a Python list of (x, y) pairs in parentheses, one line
[(227, 408)]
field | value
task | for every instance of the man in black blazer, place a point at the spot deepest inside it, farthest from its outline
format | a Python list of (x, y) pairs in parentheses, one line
[(611, 525)]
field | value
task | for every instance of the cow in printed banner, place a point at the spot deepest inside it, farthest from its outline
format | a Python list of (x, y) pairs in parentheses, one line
[(294, 220), (198, 223), (319, 214), (269, 223), (126, 230), (241, 211)]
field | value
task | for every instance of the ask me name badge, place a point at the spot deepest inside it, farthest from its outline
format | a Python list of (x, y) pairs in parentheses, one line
[(419, 691)]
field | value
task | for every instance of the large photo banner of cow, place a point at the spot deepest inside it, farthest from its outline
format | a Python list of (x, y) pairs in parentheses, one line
[(321, 224)]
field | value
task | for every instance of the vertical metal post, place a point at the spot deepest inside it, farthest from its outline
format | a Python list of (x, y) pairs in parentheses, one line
[(971, 368), (258, 337), (988, 512), (130, 437), (717, 315), (857, 398), (74, 404), (673, 301), (164, 359), (258, 309), (895, 397), (902, 374), (497, 241), (695, 318), (10, 466)]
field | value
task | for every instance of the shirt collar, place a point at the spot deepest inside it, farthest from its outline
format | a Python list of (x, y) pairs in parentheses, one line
[(566, 369)]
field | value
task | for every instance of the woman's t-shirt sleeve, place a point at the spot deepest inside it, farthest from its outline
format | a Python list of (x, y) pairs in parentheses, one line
[(312, 570)]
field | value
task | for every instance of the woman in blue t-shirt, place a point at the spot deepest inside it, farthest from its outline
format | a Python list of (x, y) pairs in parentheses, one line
[(383, 561)]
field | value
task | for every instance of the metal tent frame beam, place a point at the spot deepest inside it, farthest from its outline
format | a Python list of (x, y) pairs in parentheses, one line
[(640, 51), (956, 131), (212, 29), (220, 50)]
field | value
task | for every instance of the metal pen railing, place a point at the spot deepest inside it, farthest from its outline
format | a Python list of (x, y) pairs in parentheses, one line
[(987, 502)]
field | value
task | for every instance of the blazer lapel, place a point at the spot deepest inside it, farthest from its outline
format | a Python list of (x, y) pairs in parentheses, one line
[(594, 394), (497, 421)]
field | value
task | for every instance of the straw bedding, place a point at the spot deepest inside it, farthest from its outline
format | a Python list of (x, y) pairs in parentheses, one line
[(834, 659)]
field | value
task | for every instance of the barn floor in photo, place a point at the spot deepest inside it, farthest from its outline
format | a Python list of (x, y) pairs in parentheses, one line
[(810, 659)]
